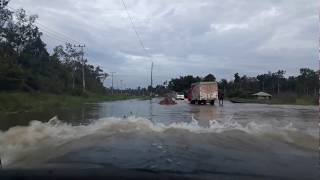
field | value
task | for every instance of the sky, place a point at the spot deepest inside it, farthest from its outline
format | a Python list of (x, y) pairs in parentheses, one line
[(183, 37)]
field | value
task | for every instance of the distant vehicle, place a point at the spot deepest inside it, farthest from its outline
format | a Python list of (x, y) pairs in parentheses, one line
[(180, 97), (203, 93)]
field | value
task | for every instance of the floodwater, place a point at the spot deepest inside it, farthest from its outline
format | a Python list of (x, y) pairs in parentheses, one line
[(244, 139)]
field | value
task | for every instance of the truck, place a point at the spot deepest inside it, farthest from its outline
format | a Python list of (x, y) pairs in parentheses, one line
[(203, 93)]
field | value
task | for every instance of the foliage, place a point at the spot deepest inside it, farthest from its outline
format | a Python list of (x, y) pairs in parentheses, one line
[(209, 77), (22, 101), (305, 84), (182, 83), (25, 64), (302, 89)]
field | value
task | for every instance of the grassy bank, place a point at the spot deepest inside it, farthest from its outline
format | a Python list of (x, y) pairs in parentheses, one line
[(303, 100), (17, 102)]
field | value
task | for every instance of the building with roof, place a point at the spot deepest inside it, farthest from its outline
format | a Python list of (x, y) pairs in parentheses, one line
[(262, 95)]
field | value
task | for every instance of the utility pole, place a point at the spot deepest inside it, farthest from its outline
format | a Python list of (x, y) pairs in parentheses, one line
[(278, 83), (83, 63), (121, 86), (319, 90), (112, 82), (151, 79)]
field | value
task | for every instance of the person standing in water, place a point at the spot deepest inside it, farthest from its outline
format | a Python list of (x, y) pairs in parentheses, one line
[(220, 97)]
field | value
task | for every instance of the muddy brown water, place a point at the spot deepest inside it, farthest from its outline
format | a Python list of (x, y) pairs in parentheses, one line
[(249, 139)]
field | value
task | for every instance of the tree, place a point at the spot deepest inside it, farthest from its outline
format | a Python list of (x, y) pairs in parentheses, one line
[(308, 81), (183, 83), (209, 78), (223, 85), (261, 81), (26, 65), (279, 77), (237, 81)]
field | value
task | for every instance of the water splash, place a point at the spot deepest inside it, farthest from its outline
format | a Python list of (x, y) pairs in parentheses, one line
[(22, 140)]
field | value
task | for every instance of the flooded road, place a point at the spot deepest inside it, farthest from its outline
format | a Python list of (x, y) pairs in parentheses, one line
[(245, 139)]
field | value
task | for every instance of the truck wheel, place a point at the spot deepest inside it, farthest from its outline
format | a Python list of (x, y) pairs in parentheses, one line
[(193, 102), (212, 102), (199, 102)]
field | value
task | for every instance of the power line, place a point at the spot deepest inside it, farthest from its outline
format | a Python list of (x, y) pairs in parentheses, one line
[(53, 36), (57, 33), (134, 28), (140, 41), (48, 30), (62, 35)]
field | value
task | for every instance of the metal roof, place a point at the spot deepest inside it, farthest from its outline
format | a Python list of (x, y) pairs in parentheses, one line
[(262, 94)]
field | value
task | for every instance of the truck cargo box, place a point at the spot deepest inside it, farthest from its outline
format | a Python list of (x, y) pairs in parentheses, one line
[(203, 92)]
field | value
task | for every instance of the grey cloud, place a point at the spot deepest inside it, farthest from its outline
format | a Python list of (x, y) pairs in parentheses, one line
[(186, 36)]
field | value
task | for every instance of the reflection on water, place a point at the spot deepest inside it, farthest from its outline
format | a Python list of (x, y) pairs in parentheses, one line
[(167, 114), (150, 109), (254, 139), (203, 114)]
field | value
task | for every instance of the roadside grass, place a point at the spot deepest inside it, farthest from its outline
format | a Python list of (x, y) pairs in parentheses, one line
[(19, 101), (302, 100), (285, 100)]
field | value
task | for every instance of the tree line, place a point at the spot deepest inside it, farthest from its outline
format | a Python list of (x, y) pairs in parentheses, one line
[(275, 83), (26, 65), (183, 83)]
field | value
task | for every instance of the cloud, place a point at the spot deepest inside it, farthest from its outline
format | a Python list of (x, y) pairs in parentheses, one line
[(228, 27), (184, 36)]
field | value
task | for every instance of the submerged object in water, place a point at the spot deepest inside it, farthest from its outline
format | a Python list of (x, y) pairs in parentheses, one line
[(237, 101), (167, 101)]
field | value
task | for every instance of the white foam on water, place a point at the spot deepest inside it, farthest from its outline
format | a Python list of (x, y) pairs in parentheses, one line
[(25, 139)]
